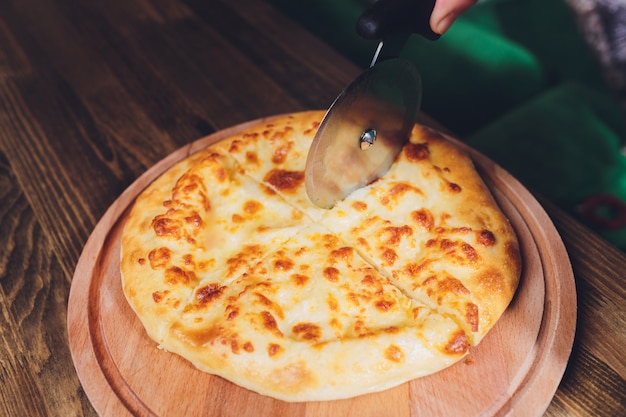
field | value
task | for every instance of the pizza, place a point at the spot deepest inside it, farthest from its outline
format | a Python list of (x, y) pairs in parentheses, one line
[(227, 263)]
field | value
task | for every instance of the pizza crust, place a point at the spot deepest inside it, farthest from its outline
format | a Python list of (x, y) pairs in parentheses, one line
[(227, 263)]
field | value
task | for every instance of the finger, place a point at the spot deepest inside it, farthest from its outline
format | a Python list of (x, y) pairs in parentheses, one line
[(445, 13)]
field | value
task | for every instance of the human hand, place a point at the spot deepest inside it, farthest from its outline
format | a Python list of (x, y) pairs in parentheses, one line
[(445, 13)]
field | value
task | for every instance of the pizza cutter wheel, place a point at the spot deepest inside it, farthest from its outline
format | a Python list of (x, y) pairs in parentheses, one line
[(368, 123)]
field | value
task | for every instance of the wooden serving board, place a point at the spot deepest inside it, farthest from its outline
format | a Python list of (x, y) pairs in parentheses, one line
[(514, 371)]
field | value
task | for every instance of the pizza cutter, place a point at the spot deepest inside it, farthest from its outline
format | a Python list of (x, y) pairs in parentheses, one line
[(368, 123)]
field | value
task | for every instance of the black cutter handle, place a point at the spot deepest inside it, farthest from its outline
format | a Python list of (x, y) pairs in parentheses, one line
[(393, 17)]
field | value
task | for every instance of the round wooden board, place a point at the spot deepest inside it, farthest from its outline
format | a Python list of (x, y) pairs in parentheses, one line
[(514, 371)]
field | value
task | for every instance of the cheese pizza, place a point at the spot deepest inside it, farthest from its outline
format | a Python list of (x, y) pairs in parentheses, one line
[(227, 263)]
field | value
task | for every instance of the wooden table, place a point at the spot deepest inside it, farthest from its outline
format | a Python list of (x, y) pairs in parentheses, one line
[(93, 93)]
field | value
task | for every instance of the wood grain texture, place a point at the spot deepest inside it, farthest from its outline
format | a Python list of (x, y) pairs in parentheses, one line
[(595, 381), (36, 378), (515, 370), (94, 93)]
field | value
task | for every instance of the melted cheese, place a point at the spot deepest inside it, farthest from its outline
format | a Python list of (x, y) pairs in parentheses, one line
[(227, 263)]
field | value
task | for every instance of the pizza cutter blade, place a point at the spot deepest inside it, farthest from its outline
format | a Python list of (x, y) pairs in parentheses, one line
[(363, 131), (370, 121)]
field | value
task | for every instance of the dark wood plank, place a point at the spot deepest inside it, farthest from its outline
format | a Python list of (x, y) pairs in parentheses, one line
[(595, 381), (36, 372)]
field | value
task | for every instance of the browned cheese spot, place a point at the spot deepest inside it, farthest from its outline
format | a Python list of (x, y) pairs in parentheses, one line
[(389, 256), (158, 296), (330, 241), (430, 280), (252, 158), (263, 300), (368, 280), (209, 293), (331, 274), (176, 275), (231, 312), (283, 265), (299, 279), (471, 315), (458, 343), (166, 226), (279, 135), (486, 238), (336, 324), (280, 153), (453, 187), (141, 261), (269, 322), (235, 144), (384, 305), (312, 130), (199, 337), (237, 218), (250, 135), (343, 254), (413, 269), (307, 331), (416, 312), (417, 151), (190, 186), (241, 259), (283, 180), (423, 218), (234, 345), (470, 253), (248, 347), (452, 285), (397, 191), (359, 328), (400, 188), (394, 354), (188, 259), (353, 298), (252, 207), (333, 304), (274, 349), (395, 234), (448, 246), (359, 206), (220, 175), (362, 242)]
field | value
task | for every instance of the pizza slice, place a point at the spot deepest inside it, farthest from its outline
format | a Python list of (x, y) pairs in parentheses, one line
[(432, 227), (275, 153), (203, 216)]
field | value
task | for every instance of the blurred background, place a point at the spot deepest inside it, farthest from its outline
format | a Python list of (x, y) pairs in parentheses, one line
[(539, 86)]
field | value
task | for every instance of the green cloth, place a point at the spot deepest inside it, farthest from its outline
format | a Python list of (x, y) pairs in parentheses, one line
[(517, 81), (565, 145)]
